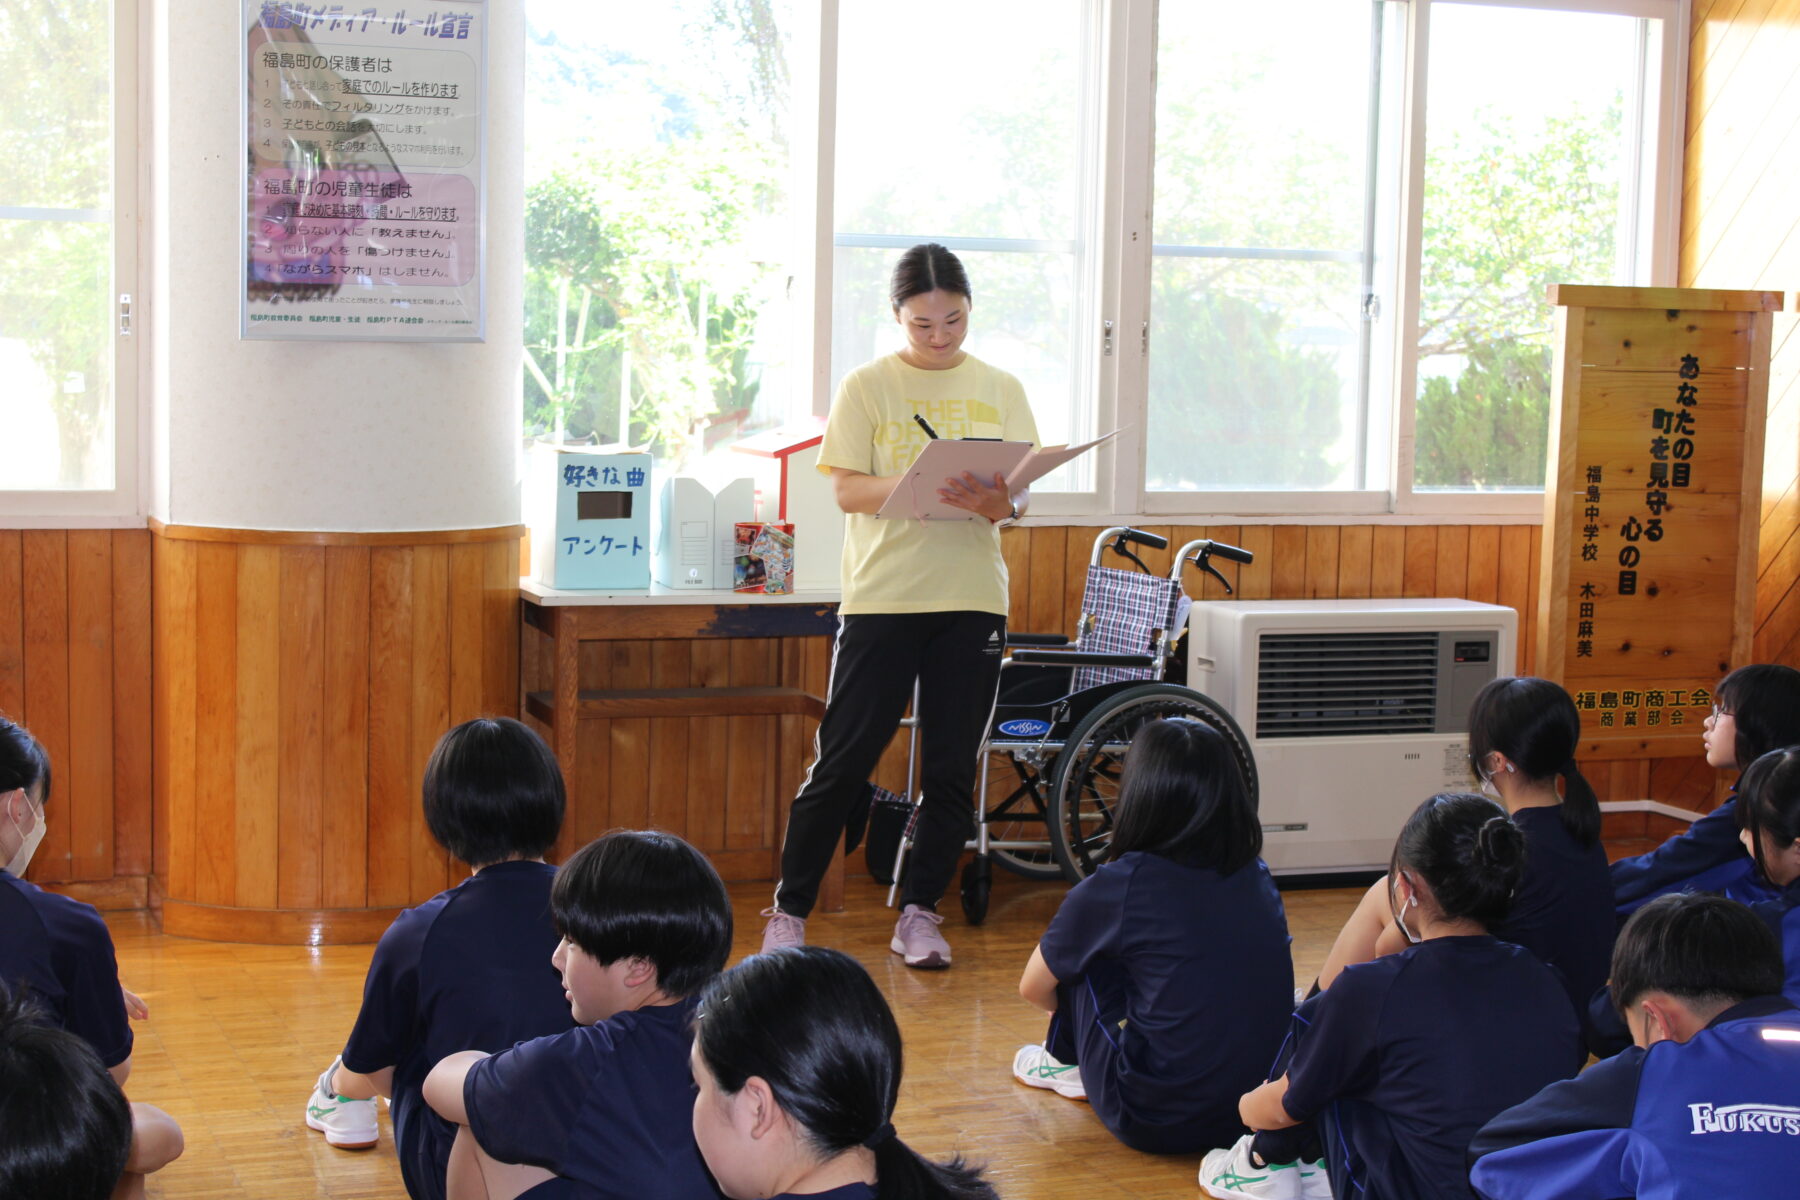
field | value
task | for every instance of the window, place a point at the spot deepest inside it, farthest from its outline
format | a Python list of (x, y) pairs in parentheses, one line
[(1297, 251), (994, 155), (68, 409), (660, 245)]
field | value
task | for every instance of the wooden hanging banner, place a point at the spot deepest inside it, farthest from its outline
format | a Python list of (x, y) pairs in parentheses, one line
[(1651, 507)]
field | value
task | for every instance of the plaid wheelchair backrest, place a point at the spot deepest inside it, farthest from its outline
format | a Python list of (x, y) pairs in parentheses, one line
[(1127, 607)]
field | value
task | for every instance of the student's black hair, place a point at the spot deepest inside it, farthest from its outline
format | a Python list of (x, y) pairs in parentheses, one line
[(1468, 851), (1183, 797), (1769, 801), (928, 267), (642, 893), (23, 763), (493, 791), (1764, 700), (1535, 725), (1698, 947), (810, 1023), (65, 1128)]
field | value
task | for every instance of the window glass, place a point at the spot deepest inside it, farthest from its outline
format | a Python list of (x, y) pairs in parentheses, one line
[(56, 245), (973, 125), (1262, 193), (659, 246), (1530, 179)]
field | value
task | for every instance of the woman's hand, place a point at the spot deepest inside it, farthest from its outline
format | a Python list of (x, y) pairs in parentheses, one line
[(971, 494)]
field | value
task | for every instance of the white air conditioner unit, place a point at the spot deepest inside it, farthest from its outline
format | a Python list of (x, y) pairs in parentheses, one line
[(1357, 710)]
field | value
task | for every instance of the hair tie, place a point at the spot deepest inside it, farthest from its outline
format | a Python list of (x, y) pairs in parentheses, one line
[(1568, 768), (874, 1140)]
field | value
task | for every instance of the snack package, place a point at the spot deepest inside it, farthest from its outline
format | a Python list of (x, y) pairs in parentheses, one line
[(765, 557)]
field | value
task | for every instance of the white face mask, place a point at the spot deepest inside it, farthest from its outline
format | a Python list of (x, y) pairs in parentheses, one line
[(1412, 901), (28, 842)]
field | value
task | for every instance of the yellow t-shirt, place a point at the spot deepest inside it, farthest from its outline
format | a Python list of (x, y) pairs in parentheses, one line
[(912, 566)]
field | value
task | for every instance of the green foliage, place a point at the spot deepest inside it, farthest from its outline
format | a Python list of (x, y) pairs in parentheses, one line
[(1256, 411), (636, 258), (56, 277), (1488, 427)]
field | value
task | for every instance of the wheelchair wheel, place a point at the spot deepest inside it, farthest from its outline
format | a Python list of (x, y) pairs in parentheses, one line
[(977, 882), (1017, 803), (1085, 786)]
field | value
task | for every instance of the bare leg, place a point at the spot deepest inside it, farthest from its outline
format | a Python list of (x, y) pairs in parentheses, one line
[(472, 1175), (156, 1141), (353, 1086), (1363, 936)]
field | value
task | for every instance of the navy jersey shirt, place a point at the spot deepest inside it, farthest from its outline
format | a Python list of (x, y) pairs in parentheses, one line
[(468, 969), (1563, 909), (1705, 857), (608, 1107), (1209, 984), (60, 950), (1783, 916), (1406, 1057), (1717, 1115)]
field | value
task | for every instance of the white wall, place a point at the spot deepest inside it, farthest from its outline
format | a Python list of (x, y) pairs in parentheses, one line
[(308, 435)]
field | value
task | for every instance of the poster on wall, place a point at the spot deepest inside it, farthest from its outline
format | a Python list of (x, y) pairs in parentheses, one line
[(1648, 583), (364, 201)]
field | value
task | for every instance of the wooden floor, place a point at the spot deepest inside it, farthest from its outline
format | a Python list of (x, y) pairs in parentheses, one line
[(238, 1033)]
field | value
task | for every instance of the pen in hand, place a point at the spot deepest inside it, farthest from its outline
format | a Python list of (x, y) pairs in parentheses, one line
[(926, 426)]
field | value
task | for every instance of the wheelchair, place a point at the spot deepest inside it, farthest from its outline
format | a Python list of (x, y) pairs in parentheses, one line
[(1065, 714)]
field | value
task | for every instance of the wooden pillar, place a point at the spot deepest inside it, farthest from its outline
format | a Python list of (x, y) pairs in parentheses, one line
[(301, 680)]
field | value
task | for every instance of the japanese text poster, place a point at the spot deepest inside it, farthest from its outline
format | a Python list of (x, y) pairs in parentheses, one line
[(364, 175)]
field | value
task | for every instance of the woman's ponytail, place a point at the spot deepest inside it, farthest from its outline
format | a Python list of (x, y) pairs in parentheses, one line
[(902, 1174), (1580, 808)]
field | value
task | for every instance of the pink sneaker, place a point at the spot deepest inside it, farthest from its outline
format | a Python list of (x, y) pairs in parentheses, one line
[(916, 938), (782, 930)]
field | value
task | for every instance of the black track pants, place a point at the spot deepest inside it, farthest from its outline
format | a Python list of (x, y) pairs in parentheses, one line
[(955, 656)]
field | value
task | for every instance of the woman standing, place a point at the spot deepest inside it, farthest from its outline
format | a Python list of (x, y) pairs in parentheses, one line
[(922, 600)]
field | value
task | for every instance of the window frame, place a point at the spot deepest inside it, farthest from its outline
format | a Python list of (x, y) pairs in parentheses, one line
[(1129, 282), (121, 506)]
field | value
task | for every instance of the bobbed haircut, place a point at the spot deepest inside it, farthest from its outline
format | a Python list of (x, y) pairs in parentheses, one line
[(928, 267), (65, 1128), (1534, 723), (23, 763), (1700, 948), (1769, 800), (1764, 700), (493, 791), (1468, 850), (1182, 796), (642, 893), (809, 1022)]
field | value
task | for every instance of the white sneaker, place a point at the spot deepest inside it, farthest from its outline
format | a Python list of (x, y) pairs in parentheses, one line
[(1315, 1181), (347, 1124), (1233, 1174), (1036, 1067)]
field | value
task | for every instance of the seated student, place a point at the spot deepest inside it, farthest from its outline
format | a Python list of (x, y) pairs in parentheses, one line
[(56, 948), (1178, 938), (470, 968), (1523, 733), (1395, 1067), (66, 1129), (1703, 1105), (797, 1061), (602, 1110), (1756, 709), (1768, 809)]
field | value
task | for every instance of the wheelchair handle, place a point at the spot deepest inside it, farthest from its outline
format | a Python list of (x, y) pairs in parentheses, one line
[(1118, 539), (1200, 552)]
